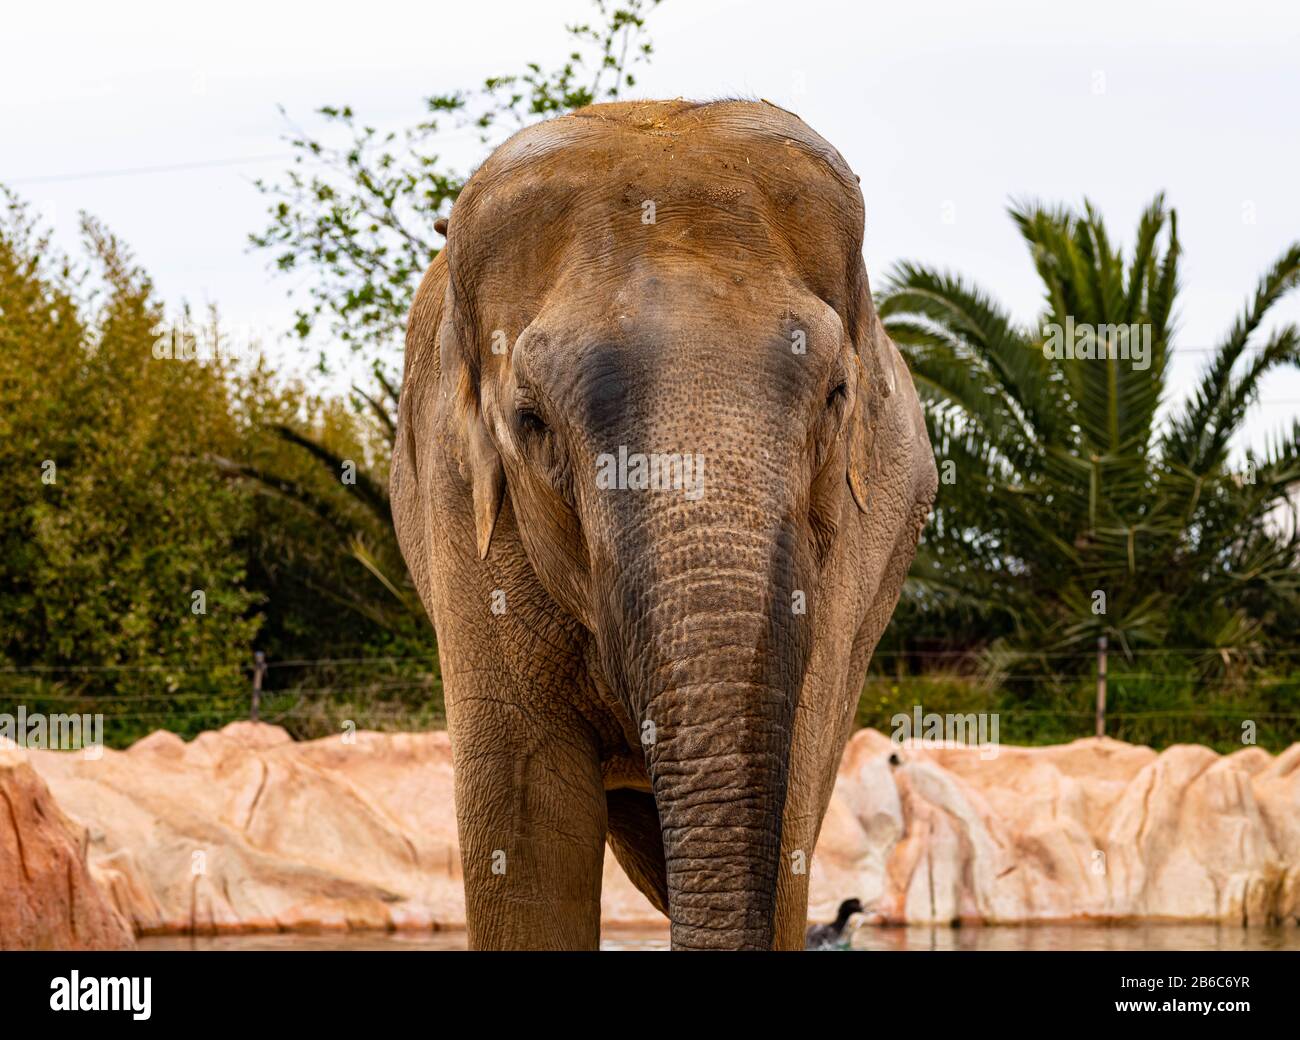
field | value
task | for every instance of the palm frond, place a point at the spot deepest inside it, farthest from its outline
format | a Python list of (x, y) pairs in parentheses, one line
[(1189, 440), (369, 491)]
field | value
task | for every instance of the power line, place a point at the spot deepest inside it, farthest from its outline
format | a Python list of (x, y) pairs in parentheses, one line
[(202, 164), (199, 164)]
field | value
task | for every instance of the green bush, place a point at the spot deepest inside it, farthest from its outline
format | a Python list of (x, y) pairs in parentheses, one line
[(120, 572), (1156, 702), (139, 566)]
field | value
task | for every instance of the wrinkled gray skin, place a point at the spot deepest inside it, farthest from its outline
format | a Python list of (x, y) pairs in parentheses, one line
[(676, 675)]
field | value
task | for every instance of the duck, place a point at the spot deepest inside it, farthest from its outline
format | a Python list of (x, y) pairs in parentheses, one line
[(830, 936)]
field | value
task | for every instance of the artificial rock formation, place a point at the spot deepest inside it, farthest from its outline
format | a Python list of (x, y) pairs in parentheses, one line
[(245, 829), (49, 897), (1092, 830)]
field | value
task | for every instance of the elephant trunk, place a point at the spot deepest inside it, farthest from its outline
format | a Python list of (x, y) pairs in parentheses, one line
[(720, 655), (719, 774)]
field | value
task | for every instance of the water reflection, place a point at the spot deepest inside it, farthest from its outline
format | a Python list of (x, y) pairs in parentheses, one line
[(870, 938), (612, 939), (1140, 936)]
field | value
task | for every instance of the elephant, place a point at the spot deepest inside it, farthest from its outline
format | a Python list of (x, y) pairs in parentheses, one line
[(659, 476)]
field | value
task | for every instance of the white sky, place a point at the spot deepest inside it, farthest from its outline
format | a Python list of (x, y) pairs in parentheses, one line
[(940, 107)]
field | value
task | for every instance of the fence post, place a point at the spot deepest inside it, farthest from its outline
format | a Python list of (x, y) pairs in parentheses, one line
[(259, 669), (1101, 686)]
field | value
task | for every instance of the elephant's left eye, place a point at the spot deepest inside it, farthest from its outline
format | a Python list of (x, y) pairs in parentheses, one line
[(540, 445), (837, 394), (531, 423), (528, 415)]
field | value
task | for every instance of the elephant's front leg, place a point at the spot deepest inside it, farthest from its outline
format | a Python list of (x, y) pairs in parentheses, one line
[(530, 807)]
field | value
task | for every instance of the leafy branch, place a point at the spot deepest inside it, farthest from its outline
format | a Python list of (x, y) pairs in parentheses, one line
[(355, 214)]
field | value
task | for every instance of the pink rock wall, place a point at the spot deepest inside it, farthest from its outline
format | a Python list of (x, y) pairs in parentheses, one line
[(246, 830)]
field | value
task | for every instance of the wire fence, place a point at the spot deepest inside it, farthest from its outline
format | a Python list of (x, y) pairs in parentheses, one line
[(405, 692), (431, 657)]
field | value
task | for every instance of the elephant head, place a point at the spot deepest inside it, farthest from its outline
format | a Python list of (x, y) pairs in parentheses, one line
[(666, 382)]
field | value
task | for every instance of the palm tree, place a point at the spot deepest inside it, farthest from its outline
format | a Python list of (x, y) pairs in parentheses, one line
[(1066, 510)]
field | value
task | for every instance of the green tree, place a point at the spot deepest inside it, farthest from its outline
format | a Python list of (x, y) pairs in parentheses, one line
[(123, 500), (1058, 484), (120, 577)]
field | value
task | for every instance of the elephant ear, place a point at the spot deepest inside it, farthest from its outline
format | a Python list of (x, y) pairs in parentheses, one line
[(480, 463), (875, 383), (487, 480)]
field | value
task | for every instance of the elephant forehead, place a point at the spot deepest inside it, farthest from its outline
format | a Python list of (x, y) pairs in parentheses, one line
[(711, 177), (769, 138)]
